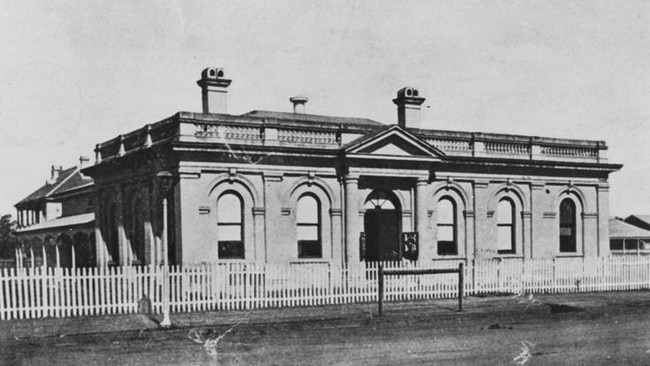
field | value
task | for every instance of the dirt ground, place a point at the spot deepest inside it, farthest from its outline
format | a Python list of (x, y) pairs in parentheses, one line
[(539, 335)]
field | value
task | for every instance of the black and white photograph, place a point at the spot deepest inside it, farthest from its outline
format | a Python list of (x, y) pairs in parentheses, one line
[(213, 182)]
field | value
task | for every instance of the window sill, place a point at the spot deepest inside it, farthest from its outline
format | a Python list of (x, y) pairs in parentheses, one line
[(569, 255), (509, 255), (310, 260), (232, 260), (448, 257)]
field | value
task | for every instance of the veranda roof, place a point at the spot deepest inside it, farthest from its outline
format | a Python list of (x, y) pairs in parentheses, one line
[(60, 223), (622, 230)]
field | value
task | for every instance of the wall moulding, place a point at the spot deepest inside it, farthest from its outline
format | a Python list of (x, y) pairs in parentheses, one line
[(549, 215)]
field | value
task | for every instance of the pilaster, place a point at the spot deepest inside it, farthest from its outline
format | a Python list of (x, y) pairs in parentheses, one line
[(272, 219), (352, 226), (482, 248), (422, 218), (526, 226), (540, 225), (603, 219)]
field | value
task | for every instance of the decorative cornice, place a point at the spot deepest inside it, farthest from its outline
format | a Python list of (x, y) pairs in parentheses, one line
[(468, 213), (285, 211), (204, 210), (257, 211), (590, 215), (526, 214)]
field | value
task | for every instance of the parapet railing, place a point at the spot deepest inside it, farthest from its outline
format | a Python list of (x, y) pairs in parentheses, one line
[(334, 137)]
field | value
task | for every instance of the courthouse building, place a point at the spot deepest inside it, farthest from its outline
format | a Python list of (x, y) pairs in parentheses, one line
[(279, 187)]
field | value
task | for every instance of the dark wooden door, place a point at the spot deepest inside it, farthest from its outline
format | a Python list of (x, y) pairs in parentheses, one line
[(382, 235)]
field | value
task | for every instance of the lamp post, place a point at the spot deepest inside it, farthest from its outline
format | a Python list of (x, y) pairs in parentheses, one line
[(167, 179)]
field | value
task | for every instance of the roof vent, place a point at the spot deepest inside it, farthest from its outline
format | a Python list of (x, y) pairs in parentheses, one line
[(299, 104)]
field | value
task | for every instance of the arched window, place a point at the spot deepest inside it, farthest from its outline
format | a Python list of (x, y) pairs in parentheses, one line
[(567, 226), (447, 239), (379, 199), (308, 223), (230, 226), (506, 237)]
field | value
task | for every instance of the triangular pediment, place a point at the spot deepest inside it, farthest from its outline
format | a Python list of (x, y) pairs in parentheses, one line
[(394, 141)]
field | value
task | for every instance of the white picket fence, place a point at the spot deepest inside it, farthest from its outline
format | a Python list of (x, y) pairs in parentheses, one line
[(59, 292)]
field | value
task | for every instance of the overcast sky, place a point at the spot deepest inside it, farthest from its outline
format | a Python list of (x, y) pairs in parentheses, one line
[(75, 73)]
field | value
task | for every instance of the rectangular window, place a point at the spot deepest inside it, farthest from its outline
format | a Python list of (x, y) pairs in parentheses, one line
[(505, 240), (616, 244), (631, 244), (309, 249), (308, 241), (446, 240), (231, 250)]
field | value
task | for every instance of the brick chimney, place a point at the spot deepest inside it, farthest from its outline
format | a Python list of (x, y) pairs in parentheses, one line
[(55, 172), (298, 104), (408, 103), (214, 90)]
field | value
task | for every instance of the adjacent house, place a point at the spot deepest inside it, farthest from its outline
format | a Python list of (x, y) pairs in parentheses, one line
[(56, 222), (641, 221), (625, 238), (278, 187)]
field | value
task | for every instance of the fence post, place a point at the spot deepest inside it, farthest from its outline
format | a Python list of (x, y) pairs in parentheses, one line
[(554, 288), (461, 285), (380, 287)]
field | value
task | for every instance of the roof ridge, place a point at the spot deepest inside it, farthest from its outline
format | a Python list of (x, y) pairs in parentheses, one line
[(56, 186)]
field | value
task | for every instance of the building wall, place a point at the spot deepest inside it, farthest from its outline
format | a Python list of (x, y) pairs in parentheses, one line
[(269, 202), (269, 194), (270, 222), (77, 205)]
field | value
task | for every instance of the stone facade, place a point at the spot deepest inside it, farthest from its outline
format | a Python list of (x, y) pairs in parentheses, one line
[(298, 188)]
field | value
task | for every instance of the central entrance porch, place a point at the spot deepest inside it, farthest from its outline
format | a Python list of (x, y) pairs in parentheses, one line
[(382, 227)]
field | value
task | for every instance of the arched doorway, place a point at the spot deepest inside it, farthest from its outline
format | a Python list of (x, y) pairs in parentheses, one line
[(381, 224)]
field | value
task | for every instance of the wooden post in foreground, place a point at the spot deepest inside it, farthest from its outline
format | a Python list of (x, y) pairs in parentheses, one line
[(380, 285), (461, 285)]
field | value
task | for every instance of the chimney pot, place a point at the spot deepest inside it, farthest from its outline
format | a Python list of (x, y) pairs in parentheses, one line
[(54, 176), (299, 104), (408, 103), (214, 90)]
